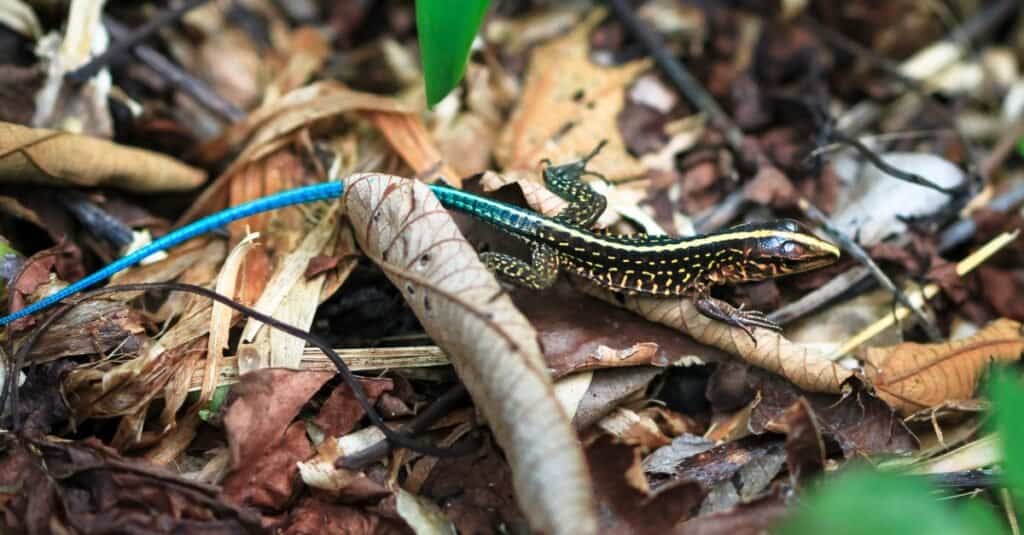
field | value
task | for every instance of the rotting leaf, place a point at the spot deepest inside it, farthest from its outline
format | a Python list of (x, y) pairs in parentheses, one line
[(402, 227), (270, 480), (861, 423), (50, 157), (82, 487), (912, 376), (627, 503), (568, 105), (262, 406)]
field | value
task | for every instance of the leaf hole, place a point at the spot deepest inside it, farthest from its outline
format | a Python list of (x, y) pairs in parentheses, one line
[(426, 303), (578, 95), (410, 288)]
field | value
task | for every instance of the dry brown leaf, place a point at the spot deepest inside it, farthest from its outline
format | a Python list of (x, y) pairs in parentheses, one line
[(404, 229), (804, 366), (568, 105), (407, 134), (911, 377), (49, 157)]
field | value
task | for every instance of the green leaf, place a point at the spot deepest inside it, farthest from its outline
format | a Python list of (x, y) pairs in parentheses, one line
[(865, 502), (220, 395), (1007, 395), (1020, 147), (446, 31)]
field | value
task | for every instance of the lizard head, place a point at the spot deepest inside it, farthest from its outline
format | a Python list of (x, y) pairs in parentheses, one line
[(773, 249), (785, 247)]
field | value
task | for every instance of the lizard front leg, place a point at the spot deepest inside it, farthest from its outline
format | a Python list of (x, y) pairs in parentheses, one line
[(585, 204), (737, 317), (538, 274)]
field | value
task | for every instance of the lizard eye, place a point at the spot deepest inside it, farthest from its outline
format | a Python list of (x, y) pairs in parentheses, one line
[(791, 248)]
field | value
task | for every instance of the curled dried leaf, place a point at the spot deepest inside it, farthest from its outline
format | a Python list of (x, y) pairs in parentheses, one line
[(805, 367), (911, 377), (49, 157), (404, 229)]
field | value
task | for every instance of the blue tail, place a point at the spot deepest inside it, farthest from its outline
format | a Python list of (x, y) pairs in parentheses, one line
[(316, 192)]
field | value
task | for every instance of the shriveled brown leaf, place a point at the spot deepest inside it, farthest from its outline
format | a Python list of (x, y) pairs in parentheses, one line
[(409, 137), (805, 447), (312, 515), (804, 366), (96, 326), (627, 503), (340, 413), (263, 405), (403, 228), (861, 423), (49, 157), (912, 376), (270, 480), (274, 126), (568, 105), (86, 487)]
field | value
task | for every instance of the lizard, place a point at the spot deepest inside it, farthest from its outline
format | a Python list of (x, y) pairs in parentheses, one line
[(631, 264)]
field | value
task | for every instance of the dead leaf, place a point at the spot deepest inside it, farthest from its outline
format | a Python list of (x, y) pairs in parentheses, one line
[(568, 105), (911, 376), (312, 516), (341, 412), (270, 480), (262, 405), (861, 423), (627, 503), (409, 137), (80, 487), (804, 366), (402, 227), (49, 157)]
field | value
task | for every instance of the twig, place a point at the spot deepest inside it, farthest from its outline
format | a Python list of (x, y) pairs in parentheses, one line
[(964, 267), (954, 236), (678, 74), (176, 76), (121, 48), (868, 154), (421, 422), (864, 258), (97, 220)]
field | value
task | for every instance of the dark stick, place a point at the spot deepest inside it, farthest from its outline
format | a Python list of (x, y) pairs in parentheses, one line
[(121, 48), (358, 391), (96, 220), (422, 421), (677, 73), (891, 170), (861, 255), (180, 79)]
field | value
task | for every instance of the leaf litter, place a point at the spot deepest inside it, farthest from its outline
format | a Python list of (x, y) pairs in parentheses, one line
[(587, 410)]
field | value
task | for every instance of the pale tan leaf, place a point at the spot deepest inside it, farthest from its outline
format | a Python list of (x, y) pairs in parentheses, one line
[(911, 377), (804, 366), (403, 228), (49, 157), (407, 134), (568, 105)]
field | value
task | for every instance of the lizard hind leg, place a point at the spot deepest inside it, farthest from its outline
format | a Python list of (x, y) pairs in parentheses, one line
[(540, 273)]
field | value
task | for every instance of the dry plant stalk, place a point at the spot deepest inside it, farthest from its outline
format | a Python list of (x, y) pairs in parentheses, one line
[(911, 377), (402, 227)]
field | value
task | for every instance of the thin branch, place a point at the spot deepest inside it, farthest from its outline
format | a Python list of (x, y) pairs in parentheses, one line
[(121, 48)]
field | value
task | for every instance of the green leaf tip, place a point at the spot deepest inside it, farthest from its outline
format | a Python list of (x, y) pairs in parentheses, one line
[(446, 31)]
